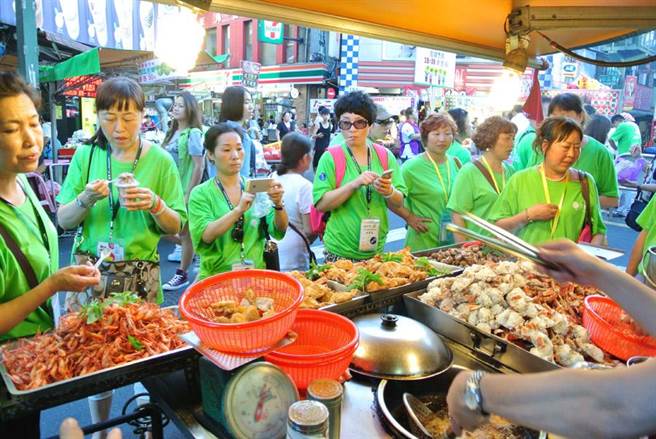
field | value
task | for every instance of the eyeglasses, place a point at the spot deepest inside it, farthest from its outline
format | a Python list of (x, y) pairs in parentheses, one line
[(385, 121), (238, 231), (347, 124)]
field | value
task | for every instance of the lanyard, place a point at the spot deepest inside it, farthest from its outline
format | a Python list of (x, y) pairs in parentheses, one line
[(113, 206), (231, 206), (39, 221), (439, 176), (494, 180), (547, 196), (357, 165)]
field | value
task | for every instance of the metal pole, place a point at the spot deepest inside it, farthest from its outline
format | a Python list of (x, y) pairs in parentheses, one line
[(52, 86), (28, 46)]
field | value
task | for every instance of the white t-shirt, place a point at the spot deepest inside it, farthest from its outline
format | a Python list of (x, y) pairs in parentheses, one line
[(298, 200)]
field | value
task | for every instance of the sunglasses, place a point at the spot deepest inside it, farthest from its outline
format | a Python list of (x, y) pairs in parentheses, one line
[(385, 121), (238, 230), (358, 124)]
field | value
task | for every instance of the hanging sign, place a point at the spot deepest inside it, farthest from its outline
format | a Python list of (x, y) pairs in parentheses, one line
[(270, 31), (250, 74)]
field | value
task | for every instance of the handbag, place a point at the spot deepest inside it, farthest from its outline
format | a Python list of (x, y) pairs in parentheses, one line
[(270, 256), (586, 231), (313, 257), (639, 203)]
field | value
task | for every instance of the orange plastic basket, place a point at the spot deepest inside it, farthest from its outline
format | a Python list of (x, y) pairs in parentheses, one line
[(242, 338), (324, 348), (602, 317)]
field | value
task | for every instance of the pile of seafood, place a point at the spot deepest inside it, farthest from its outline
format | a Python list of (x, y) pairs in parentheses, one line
[(317, 294), (511, 300), (465, 256), (84, 343), (249, 309)]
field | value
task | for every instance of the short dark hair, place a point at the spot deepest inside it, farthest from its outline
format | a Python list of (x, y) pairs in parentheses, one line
[(616, 117), (213, 134), (589, 109), (356, 102), (323, 110), (118, 92), (487, 133), (459, 115), (232, 103), (598, 127), (555, 129), (293, 148), (566, 102), (11, 84)]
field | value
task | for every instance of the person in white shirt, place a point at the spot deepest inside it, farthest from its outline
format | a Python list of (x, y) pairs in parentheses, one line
[(295, 160)]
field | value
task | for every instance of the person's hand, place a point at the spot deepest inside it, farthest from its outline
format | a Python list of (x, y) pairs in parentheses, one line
[(460, 416), (365, 179), (138, 198), (628, 183), (419, 224), (383, 186), (542, 212), (275, 193), (70, 429), (245, 202), (95, 191), (319, 135), (74, 278), (581, 267)]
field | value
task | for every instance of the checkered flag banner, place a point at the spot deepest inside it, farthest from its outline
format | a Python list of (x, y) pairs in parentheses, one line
[(546, 76), (348, 68)]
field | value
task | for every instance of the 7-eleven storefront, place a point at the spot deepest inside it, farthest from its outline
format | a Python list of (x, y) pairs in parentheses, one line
[(280, 88)]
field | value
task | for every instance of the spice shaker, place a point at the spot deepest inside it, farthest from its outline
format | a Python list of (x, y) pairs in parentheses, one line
[(307, 420), (329, 393)]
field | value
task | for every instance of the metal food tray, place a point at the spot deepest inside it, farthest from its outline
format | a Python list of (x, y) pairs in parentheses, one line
[(427, 253), (488, 345), (101, 380)]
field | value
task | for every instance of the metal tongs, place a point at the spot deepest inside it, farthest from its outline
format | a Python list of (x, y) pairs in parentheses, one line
[(503, 241)]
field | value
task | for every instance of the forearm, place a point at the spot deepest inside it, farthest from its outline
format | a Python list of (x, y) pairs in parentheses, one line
[(396, 200), (636, 254), (15, 311), (608, 202), (335, 198), (514, 223), (598, 239), (280, 219), (647, 187), (70, 215), (401, 211), (458, 221), (168, 220), (577, 403), (220, 226)]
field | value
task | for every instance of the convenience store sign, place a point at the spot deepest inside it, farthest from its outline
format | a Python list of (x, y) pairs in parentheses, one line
[(270, 31)]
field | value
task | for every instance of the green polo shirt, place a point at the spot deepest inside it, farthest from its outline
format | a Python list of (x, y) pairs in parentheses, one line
[(21, 223), (206, 205), (626, 135), (647, 220)]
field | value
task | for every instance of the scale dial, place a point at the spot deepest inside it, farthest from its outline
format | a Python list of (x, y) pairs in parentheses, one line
[(256, 402)]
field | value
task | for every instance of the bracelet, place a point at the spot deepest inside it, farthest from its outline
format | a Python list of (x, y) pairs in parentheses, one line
[(79, 203), (159, 207), (387, 197), (528, 219), (281, 207)]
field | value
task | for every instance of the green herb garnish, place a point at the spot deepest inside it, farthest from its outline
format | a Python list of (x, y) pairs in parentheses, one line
[(391, 257), (136, 344), (95, 308), (363, 278), (315, 271), (424, 264), (122, 299), (93, 311)]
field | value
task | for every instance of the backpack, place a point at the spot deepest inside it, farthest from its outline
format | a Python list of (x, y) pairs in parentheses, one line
[(319, 219)]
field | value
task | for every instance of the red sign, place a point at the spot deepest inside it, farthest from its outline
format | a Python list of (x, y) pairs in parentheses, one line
[(643, 98), (81, 86), (630, 84), (330, 93)]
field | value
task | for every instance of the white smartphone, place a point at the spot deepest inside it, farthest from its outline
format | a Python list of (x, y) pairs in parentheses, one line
[(387, 174), (256, 185)]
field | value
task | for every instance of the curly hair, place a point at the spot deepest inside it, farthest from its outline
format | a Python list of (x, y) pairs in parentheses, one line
[(555, 129), (356, 102), (487, 133), (11, 84), (436, 121)]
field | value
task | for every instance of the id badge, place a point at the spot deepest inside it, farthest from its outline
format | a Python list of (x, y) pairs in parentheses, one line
[(369, 229), (246, 265), (116, 252)]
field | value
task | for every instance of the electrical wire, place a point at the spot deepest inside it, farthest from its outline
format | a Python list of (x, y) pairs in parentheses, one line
[(597, 62)]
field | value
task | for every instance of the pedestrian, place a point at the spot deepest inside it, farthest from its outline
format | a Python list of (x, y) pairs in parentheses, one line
[(237, 110), (294, 248), (409, 136), (594, 158), (358, 224), (479, 183), (26, 231), (626, 135), (380, 130), (597, 128), (226, 233), (460, 146), (128, 224), (286, 125), (321, 131), (429, 179), (547, 201), (184, 141)]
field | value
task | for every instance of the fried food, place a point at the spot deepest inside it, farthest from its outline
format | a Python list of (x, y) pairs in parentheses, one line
[(318, 295), (465, 256), (250, 309)]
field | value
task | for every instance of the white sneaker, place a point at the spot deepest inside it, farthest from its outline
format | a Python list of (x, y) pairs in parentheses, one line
[(176, 255)]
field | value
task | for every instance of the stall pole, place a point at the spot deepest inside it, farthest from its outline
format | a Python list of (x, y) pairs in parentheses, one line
[(28, 46), (52, 87)]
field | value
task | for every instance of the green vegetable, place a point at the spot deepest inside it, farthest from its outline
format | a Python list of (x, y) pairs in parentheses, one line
[(93, 311), (424, 264), (136, 344), (122, 299), (391, 257), (95, 308), (315, 271), (363, 278)]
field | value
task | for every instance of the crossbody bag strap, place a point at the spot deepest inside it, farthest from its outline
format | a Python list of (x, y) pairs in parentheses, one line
[(20, 257), (585, 189), (485, 173), (313, 257)]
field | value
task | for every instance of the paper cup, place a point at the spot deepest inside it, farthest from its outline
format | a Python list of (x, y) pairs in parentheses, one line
[(122, 191)]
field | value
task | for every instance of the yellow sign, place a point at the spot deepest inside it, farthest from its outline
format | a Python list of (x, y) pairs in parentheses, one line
[(89, 118)]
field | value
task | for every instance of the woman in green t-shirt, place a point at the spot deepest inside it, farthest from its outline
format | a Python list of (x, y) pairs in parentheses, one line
[(25, 308), (480, 182), (458, 149), (546, 202), (227, 234), (429, 180)]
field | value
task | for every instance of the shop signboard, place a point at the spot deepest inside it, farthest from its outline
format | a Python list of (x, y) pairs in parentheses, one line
[(393, 104), (81, 86), (569, 70), (250, 74), (89, 118), (630, 83), (211, 81), (643, 98), (435, 68), (316, 103), (271, 32), (155, 70)]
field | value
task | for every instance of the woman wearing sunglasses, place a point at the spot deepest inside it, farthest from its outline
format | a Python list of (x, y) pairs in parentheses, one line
[(358, 224), (224, 231)]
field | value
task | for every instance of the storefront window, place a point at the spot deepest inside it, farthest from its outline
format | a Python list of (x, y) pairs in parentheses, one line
[(210, 41), (248, 40), (226, 38), (268, 54), (290, 46)]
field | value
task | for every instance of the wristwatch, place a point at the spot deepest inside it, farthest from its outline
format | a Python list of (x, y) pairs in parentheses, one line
[(281, 207), (473, 398)]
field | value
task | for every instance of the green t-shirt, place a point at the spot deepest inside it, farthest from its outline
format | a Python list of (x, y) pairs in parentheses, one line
[(185, 155), (460, 152), (342, 235), (206, 205), (625, 136), (473, 193), (21, 223), (595, 159), (525, 190), (647, 220), (426, 198)]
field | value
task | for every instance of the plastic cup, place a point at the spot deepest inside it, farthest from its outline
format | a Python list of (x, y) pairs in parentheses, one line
[(123, 188)]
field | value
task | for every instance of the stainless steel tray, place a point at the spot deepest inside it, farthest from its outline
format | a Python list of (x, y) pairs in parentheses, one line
[(488, 345), (349, 307)]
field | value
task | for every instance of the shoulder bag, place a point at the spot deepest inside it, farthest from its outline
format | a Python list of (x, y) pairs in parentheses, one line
[(586, 231), (313, 257), (271, 257)]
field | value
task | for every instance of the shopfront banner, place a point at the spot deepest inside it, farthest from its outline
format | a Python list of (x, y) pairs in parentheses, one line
[(435, 68), (271, 32), (630, 83), (250, 74)]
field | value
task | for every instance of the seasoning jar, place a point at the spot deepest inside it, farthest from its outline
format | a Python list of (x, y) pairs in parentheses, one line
[(307, 420), (329, 393)]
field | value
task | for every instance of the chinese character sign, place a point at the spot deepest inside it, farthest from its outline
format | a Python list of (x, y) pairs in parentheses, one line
[(435, 68), (250, 74), (271, 32)]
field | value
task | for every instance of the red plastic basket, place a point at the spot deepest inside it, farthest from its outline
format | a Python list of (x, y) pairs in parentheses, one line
[(242, 338), (602, 317), (324, 348)]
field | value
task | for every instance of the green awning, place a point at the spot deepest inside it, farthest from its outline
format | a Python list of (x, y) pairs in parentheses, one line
[(87, 63), (220, 58)]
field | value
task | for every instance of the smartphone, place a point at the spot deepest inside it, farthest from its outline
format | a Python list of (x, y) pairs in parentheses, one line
[(256, 185), (387, 174)]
